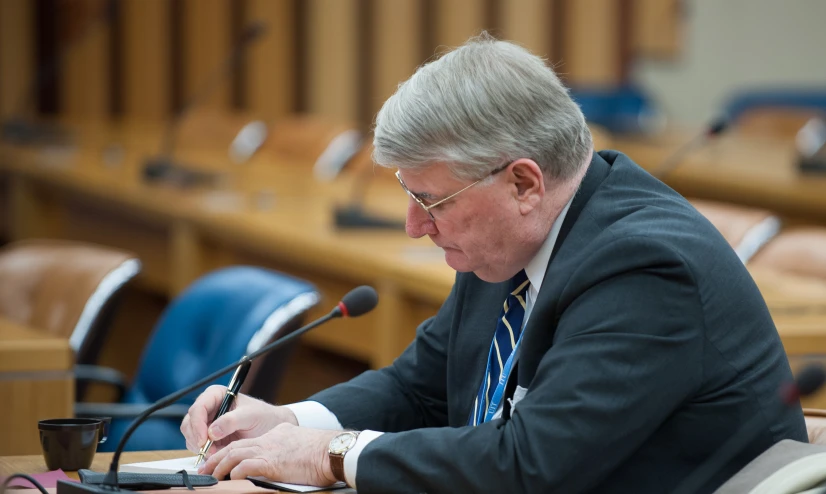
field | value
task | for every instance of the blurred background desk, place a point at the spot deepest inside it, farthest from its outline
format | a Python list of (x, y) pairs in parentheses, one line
[(756, 171), (272, 212), (36, 383)]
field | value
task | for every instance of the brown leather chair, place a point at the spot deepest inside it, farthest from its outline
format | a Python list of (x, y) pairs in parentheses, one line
[(815, 425), (800, 251), (64, 288), (746, 229)]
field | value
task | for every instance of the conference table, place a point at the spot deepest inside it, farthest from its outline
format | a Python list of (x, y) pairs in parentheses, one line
[(272, 212), (753, 170), (36, 383), (34, 464)]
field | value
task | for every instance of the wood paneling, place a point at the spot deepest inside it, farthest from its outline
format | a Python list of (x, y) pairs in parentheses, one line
[(458, 20), (656, 28), (529, 23), (270, 76), (207, 30), (16, 54), (85, 86), (332, 51), (591, 49), (396, 48), (147, 83)]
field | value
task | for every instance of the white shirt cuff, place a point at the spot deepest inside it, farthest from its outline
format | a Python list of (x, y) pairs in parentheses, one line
[(314, 415), (351, 458)]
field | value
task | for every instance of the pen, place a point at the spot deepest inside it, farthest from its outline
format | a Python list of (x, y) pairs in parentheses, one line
[(232, 391)]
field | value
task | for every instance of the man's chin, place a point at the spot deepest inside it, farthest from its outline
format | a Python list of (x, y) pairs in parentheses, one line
[(456, 260)]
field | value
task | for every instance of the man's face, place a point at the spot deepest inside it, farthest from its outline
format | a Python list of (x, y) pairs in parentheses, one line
[(478, 229)]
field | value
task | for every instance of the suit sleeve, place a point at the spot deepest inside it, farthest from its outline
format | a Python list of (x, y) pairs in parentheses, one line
[(627, 352), (409, 394)]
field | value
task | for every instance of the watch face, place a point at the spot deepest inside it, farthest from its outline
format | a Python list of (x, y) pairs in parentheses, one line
[(341, 443)]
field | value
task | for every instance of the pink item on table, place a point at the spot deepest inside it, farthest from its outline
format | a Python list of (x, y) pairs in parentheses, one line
[(47, 479)]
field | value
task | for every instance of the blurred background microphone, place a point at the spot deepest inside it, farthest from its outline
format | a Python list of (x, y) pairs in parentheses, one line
[(163, 168), (353, 214), (716, 128), (811, 146)]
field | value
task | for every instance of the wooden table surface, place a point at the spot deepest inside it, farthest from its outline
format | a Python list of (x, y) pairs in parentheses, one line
[(757, 171), (36, 374), (33, 464)]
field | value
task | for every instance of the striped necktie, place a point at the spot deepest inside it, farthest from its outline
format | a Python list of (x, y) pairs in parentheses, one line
[(508, 331)]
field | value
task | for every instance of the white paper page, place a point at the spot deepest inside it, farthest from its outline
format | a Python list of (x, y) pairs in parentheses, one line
[(188, 464)]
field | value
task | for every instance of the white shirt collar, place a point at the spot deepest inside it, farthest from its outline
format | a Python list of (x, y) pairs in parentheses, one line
[(536, 268)]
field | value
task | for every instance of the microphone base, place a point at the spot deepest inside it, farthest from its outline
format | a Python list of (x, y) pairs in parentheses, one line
[(814, 165), (164, 169), (354, 217), (64, 487), (28, 133)]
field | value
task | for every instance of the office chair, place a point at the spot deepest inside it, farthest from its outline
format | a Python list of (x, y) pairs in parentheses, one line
[(801, 251), (746, 229), (779, 112), (221, 317), (66, 289)]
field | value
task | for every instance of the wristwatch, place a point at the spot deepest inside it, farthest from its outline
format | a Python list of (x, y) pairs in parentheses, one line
[(339, 446)]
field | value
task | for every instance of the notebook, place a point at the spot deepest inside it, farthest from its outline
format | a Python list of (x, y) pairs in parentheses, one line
[(188, 464)]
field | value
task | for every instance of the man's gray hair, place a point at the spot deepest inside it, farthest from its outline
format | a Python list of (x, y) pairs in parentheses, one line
[(479, 107)]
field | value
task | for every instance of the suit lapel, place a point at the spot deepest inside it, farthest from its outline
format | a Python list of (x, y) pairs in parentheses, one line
[(539, 331)]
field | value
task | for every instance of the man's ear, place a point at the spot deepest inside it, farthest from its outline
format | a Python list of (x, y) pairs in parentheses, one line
[(529, 184)]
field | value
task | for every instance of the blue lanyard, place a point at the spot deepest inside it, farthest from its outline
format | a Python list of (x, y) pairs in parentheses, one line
[(500, 386)]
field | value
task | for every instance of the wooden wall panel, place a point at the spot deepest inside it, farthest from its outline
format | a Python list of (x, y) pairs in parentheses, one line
[(458, 20), (86, 78), (657, 27), (147, 79), (591, 49), (17, 56), (529, 23), (396, 50), (207, 33), (270, 77), (332, 51)]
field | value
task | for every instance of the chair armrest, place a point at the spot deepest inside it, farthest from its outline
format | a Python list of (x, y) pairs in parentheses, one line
[(127, 410), (104, 375)]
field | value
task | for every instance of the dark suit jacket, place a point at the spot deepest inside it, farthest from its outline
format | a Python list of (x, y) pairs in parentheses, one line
[(648, 345)]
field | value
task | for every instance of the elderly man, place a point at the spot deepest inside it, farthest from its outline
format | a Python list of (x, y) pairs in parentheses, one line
[(601, 336)]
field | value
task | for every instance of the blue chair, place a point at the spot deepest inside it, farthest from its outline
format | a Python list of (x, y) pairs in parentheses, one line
[(221, 317), (622, 110), (797, 98)]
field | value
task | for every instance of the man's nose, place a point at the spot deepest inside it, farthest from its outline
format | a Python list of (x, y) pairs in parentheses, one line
[(418, 222)]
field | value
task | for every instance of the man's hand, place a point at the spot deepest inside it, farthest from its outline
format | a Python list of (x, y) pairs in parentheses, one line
[(248, 418), (287, 453)]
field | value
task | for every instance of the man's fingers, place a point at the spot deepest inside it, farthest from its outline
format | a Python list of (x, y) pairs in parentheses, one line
[(250, 467), (240, 419), (198, 417), (230, 457)]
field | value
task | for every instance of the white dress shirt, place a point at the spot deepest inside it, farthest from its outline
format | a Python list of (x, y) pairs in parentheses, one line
[(314, 415)]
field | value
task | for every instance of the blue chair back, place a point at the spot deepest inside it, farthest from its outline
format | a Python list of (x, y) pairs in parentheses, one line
[(221, 317), (747, 100), (621, 110)]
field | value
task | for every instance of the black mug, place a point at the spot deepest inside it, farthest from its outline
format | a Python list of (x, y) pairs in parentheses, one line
[(70, 444)]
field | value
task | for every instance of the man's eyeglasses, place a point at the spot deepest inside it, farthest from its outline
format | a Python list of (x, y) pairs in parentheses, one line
[(427, 208)]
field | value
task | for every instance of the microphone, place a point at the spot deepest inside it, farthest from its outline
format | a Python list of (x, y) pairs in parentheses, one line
[(22, 130), (807, 382), (668, 165), (163, 166), (352, 215), (357, 302)]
